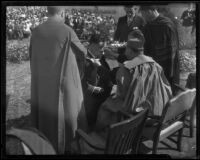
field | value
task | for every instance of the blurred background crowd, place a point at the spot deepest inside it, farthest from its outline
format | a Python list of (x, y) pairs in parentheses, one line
[(20, 22)]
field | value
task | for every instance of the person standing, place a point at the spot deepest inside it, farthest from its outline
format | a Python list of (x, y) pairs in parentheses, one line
[(162, 43), (57, 108), (125, 25)]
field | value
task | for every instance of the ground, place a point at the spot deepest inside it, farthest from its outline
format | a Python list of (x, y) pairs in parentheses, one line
[(18, 87)]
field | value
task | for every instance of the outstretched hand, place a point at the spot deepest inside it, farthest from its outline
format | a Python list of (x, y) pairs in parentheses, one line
[(110, 53)]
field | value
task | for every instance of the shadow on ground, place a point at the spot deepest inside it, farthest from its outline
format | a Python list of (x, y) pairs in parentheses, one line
[(168, 146)]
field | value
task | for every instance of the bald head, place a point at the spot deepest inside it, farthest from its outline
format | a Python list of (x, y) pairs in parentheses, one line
[(53, 10)]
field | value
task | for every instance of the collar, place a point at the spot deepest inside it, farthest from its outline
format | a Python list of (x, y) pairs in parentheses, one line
[(140, 59), (56, 18)]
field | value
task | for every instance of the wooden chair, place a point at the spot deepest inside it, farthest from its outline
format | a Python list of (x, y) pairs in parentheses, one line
[(171, 121), (191, 83), (121, 138)]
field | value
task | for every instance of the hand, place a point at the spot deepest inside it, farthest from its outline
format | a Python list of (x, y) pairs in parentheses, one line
[(114, 90), (98, 90), (139, 109), (96, 62)]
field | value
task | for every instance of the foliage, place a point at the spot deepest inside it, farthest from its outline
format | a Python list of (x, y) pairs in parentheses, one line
[(17, 52), (187, 60)]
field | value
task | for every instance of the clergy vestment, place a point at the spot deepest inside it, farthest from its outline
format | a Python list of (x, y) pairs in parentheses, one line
[(162, 44), (57, 108)]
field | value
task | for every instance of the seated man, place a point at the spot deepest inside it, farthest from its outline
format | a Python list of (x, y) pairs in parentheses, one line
[(139, 79), (96, 86)]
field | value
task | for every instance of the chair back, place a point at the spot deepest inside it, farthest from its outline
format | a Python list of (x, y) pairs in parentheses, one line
[(124, 137), (178, 105)]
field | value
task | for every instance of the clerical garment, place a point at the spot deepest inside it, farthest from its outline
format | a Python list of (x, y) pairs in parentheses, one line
[(162, 44), (138, 80), (57, 108)]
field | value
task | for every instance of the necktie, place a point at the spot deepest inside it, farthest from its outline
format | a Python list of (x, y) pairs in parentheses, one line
[(129, 21)]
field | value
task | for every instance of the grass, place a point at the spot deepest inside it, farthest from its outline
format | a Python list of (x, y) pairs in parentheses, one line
[(18, 87)]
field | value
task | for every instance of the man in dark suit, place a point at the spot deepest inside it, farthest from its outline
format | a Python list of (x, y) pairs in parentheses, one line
[(56, 58), (126, 24), (161, 42)]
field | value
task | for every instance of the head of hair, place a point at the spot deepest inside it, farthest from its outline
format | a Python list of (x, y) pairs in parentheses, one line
[(53, 10), (148, 7), (136, 46), (95, 38)]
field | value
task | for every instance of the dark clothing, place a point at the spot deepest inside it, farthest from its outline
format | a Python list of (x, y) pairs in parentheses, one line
[(95, 77), (122, 31), (161, 43), (112, 73), (191, 81)]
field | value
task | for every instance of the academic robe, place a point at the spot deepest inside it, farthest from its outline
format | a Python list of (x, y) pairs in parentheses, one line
[(162, 44), (57, 108), (138, 80)]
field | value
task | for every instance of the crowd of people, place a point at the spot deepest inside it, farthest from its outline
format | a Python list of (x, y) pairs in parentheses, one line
[(86, 22), (21, 20)]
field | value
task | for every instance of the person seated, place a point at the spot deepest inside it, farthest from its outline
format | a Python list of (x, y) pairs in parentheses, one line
[(96, 88), (139, 79), (94, 47), (110, 62)]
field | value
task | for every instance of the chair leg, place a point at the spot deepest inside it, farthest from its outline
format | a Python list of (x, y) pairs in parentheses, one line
[(179, 139), (192, 119), (155, 145), (191, 129)]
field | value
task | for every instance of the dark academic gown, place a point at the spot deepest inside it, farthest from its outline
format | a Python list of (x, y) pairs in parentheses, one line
[(57, 108), (162, 44), (138, 80)]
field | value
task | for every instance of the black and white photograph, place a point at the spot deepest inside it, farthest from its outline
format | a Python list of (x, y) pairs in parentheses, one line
[(101, 79)]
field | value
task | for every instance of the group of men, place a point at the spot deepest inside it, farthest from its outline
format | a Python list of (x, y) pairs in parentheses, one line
[(57, 58)]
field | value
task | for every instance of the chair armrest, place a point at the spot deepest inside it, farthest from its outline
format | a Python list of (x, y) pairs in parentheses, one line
[(125, 114), (89, 140), (153, 121), (122, 115), (154, 117)]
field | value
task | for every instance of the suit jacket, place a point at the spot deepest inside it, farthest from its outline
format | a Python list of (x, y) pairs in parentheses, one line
[(57, 108), (122, 31)]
